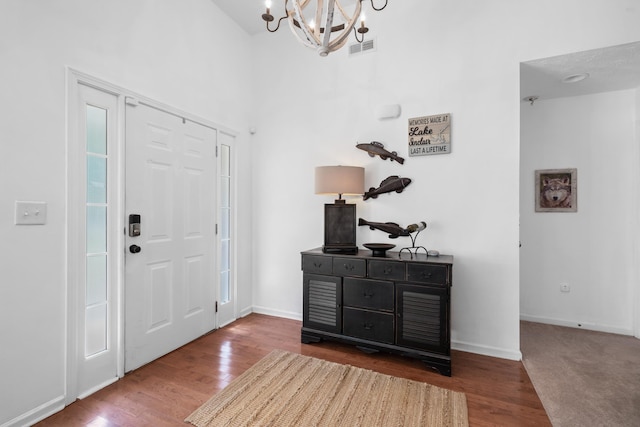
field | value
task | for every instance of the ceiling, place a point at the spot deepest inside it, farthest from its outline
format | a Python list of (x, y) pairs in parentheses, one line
[(246, 13), (610, 69)]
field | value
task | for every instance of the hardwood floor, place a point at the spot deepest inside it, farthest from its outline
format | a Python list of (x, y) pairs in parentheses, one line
[(162, 393)]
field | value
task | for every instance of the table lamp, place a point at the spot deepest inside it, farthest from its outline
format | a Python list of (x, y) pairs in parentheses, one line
[(340, 217)]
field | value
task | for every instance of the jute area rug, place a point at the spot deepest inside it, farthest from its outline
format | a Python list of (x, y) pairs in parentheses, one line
[(287, 389)]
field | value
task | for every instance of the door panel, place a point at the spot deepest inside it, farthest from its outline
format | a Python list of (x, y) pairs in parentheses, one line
[(227, 307), (171, 183), (93, 213)]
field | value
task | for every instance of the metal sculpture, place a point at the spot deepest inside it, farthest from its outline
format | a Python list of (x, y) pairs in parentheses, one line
[(414, 228), (391, 228), (375, 148), (392, 183), (394, 231)]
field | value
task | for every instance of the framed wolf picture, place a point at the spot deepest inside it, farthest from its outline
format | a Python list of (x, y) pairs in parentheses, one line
[(557, 190)]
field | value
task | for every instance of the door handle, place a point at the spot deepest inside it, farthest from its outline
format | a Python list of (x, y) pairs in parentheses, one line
[(134, 249), (134, 225)]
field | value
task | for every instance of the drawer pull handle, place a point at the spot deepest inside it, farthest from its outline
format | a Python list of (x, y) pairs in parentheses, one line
[(368, 294), (317, 264), (426, 275), (387, 271), (368, 326), (349, 267)]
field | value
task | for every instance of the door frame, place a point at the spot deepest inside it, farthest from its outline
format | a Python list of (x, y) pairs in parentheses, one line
[(223, 317), (74, 78), (74, 144)]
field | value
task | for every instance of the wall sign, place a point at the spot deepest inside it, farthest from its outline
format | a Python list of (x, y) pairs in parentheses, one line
[(430, 135)]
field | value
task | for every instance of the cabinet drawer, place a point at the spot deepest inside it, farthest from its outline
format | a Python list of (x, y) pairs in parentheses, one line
[(316, 264), (369, 325), (350, 267), (387, 270), (371, 294), (427, 273)]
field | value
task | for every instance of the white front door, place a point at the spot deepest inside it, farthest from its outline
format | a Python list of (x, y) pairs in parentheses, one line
[(170, 284)]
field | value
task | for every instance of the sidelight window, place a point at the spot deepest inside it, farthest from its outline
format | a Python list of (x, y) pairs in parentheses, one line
[(96, 301)]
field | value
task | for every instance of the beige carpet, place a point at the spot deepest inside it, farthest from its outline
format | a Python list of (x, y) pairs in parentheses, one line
[(584, 378), (286, 389)]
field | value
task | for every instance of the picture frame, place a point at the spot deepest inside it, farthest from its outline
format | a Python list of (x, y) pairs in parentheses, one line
[(556, 190)]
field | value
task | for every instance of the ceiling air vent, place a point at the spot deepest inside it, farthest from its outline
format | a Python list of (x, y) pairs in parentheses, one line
[(366, 46)]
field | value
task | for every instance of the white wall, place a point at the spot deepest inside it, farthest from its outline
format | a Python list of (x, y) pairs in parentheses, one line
[(183, 53), (636, 247), (433, 57), (594, 249)]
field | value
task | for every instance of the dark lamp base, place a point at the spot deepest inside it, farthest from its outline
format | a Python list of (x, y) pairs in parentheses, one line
[(340, 249)]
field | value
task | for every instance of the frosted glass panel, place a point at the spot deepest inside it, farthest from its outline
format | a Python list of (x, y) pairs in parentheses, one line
[(95, 329), (96, 130), (224, 256), (224, 287), (225, 189), (225, 161), (96, 259), (96, 229), (96, 179), (225, 214), (225, 219), (96, 279)]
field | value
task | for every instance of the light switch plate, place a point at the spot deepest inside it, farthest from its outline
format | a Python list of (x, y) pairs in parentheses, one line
[(31, 213)]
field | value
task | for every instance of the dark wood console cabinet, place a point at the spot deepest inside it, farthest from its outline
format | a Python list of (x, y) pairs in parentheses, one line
[(394, 304)]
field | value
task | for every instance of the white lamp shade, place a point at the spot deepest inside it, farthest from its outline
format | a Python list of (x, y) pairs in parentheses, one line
[(347, 180)]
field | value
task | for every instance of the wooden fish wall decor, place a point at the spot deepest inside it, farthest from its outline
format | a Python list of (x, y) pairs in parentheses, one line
[(375, 148), (391, 228), (392, 183)]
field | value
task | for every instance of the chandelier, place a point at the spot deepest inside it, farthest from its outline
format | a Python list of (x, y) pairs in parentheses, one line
[(326, 26)]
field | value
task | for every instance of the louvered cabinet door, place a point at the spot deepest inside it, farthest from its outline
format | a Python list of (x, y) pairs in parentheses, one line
[(422, 317), (322, 302)]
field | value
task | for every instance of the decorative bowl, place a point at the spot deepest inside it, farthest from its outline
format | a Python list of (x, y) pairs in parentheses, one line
[(379, 249)]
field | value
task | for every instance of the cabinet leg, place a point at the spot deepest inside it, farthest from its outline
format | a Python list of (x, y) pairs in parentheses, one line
[(309, 339), (367, 350), (441, 369)]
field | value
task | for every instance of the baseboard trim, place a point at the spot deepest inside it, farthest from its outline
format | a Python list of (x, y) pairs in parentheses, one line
[(277, 313), (501, 353), (577, 325), (37, 414), (246, 311), (92, 390)]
